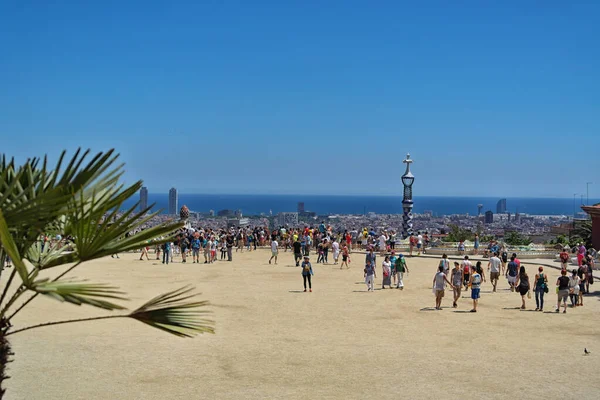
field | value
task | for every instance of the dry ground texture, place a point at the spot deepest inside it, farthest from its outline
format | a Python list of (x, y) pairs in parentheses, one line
[(275, 342)]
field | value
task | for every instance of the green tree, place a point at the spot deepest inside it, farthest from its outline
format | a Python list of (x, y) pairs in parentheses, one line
[(80, 199), (514, 238), (458, 234), (582, 233)]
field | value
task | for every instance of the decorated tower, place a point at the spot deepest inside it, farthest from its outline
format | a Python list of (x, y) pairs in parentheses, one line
[(407, 202), (184, 215)]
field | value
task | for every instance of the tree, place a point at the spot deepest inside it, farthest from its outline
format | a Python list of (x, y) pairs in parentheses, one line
[(82, 202), (458, 234), (582, 233), (514, 238)]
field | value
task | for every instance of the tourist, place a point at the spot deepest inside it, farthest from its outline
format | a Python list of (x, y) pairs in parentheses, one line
[(229, 246), (589, 278), (563, 290), (370, 275), (564, 258), (371, 257), (307, 273), (393, 259), (467, 269), (476, 245), (511, 273), (196, 243), (582, 273), (516, 259), (223, 248), (444, 263), (419, 243), (345, 257), (503, 258), (335, 249), (574, 282), (207, 246), (541, 287), (145, 252), (166, 247), (439, 284), (393, 236), (457, 277), (386, 266), (494, 270), (297, 247), (461, 248), (580, 254), (274, 251), (412, 241), (213, 250), (382, 243), (400, 268), (475, 284), (184, 244), (523, 287)]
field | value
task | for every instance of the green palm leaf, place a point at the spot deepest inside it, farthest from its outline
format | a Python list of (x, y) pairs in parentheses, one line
[(74, 292), (172, 313)]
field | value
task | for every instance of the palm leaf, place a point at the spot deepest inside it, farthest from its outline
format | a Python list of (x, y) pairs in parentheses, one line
[(171, 313), (46, 255), (9, 246), (74, 292)]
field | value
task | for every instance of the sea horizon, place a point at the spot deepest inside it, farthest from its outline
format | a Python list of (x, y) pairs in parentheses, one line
[(266, 204)]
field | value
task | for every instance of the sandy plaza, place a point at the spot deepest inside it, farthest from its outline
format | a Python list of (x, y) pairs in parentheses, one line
[(273, 341)]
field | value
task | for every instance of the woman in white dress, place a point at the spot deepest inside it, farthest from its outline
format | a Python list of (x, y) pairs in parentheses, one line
[(387, 273)]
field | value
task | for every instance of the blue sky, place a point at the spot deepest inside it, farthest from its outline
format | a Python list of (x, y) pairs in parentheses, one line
[(491, 98)]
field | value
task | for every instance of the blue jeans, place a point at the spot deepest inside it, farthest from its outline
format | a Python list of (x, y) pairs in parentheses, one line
[(166, 257), (539, 297)]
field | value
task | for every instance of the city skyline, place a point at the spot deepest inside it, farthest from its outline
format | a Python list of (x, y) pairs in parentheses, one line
[(241, 84), (173, 201)]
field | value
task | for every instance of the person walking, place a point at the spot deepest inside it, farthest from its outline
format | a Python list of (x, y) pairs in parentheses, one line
[(522, 284), (494, 270), (400, 267), (476, 245), (563, 290), (370, 275), (574, 282), (564, 258), (475, 284), (393, 259), (439, 284), (511, 273), (445, 264), (467, 268), (297, 247), (335, 248), (274, 251), (307, 273), (457, 278), (166, 247), (345, 256), (229, 246), (541, 287), (196, 243), (386, 266)]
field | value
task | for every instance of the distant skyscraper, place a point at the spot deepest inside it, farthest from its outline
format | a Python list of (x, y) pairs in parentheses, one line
[(173, 200), (301, 207), (479, 208), (143, 198), (489, 217), (501, 206)]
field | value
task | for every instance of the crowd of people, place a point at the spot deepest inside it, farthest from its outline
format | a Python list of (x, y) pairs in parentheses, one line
[(572, 285)]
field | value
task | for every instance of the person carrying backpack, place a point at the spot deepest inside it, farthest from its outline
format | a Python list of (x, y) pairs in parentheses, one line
[(307, 273), (541, 287), (400, 268)]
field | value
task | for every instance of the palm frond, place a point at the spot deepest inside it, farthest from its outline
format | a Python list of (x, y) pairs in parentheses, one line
[(46, 255), (77, 292), (7, 243), (172, 313)]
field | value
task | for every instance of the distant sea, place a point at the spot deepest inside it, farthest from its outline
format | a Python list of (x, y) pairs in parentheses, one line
[(323, 204)]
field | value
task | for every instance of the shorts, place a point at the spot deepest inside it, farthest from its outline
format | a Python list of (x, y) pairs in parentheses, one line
[(213, 253), (563, 294), (457, 289), (359, 242), (439, 292), (297, 256), (511, 279), (494, 276), (344, 258), (195, 252), (466, 278), (475, 293), (419, 245), (274, 253)]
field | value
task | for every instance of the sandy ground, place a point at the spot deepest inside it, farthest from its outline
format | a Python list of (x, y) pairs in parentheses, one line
[(275, 342)]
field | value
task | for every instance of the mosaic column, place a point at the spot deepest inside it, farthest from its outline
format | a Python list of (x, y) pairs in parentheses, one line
[(407, 202)]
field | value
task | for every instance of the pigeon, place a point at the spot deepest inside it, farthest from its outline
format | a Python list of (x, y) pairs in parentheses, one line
[(586, 351)]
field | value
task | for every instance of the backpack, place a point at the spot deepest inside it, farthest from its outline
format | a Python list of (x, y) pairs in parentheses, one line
[(306, 268)]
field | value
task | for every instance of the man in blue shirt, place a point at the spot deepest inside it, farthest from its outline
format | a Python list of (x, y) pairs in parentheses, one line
[(195, 250)]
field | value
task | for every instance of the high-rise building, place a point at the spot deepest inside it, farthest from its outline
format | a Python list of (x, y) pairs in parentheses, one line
[(173, 199), (501, 206), (289, 219), (143, 198), (300, 206), (489, 217), (479, 208)]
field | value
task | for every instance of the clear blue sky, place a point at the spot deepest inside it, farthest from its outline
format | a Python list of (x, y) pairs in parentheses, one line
[(491, 98)]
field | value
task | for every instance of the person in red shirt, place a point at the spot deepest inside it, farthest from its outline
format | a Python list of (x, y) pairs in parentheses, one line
[(564, 258)]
